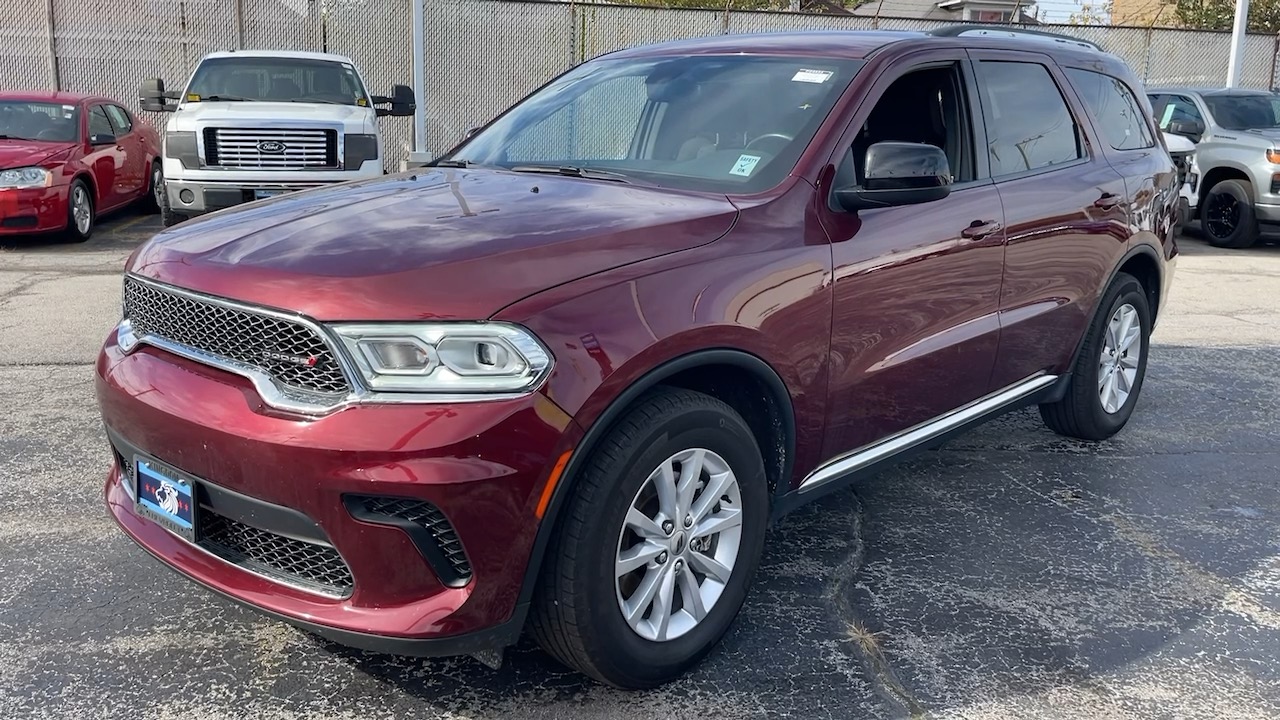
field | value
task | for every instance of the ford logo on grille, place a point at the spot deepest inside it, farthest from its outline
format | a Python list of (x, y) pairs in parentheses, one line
[(272, 147)]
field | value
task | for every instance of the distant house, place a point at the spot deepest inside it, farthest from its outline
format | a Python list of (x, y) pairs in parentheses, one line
[(986, 11), (1144, 13)]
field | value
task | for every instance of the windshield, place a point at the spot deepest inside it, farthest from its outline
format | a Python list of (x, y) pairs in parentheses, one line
[(1244, 112), (707, 122), (276, 79), (51, 122)]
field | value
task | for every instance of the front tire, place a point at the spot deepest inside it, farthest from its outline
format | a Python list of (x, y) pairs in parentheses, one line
[(153, 202), (81, 217), (1228, 216), (168, 217), (658, 544), (1108, 374)]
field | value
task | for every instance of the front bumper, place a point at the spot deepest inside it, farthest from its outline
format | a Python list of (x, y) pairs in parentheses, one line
[(483, 465), (191, 197), (33, 210)]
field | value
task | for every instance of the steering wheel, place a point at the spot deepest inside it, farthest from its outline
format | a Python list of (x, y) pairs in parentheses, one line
[(783, 141)]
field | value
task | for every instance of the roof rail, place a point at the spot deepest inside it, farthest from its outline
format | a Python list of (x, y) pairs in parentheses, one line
[(1012, 32)]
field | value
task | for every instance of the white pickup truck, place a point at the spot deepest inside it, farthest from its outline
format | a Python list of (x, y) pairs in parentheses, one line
[(251, 124)]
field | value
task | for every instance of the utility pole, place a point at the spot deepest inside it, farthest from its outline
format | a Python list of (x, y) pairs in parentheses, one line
[(419, 154), (1237, 43)]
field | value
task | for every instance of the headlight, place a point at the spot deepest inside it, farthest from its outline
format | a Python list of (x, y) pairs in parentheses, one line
[(456, 358), (28, 177)]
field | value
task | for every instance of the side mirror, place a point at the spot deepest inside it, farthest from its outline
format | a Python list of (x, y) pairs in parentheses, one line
[(898, 173), (152, 96), (102, 139), (402, 102), (1191, 129)]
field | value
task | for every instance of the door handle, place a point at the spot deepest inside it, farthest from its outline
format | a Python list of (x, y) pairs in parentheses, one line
[(979, 229), (1107, 201)]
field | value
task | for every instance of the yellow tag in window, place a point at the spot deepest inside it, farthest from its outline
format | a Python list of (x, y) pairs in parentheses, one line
[(192, 97)]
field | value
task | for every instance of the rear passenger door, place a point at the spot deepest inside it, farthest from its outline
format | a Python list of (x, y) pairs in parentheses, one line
[(1065, 214)]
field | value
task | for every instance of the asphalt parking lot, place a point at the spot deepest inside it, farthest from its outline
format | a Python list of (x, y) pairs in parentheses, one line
[(1009, 574)]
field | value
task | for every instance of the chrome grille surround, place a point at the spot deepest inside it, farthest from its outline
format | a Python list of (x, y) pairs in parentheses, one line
[(300, 148), (290, 360)]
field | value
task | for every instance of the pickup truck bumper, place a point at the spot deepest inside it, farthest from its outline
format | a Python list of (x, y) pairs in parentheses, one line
[(1267, 213), (199, 195)]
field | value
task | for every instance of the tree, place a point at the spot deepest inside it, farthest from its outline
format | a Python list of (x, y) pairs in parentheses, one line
[(1264, 15), (1092, 13)]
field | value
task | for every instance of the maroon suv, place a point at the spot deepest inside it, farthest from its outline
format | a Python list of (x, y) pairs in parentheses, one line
[(565, 378)]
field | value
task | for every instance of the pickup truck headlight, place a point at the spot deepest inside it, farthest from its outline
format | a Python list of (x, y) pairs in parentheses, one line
[(446, 358), (357, 149), (27, 177), (181, 146)]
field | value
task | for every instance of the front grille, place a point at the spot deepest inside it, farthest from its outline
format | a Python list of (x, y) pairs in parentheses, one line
[(317, 568), (297, 148), (283, 349), (429, 518)]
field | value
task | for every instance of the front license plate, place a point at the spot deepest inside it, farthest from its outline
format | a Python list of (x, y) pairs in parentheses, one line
[(260, 194), (167, 498)]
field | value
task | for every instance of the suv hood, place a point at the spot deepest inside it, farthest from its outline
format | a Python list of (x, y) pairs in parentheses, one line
[(442, 244), (22, 153), (238, 112)]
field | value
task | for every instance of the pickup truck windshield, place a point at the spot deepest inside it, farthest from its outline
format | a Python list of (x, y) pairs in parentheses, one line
[(716, 123), (1244, 112), (276, 79), (51, 122)]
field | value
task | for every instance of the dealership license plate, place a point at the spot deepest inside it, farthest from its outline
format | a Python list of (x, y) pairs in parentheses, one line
[(260, 194), (166, 497)]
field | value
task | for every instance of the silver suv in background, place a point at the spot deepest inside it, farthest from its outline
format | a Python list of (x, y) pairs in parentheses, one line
[(1236, 176)]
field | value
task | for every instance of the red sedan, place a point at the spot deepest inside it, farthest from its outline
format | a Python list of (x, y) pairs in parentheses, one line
[(65, 159)]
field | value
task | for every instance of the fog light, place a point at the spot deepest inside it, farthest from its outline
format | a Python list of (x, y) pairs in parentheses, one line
[(187, 196)]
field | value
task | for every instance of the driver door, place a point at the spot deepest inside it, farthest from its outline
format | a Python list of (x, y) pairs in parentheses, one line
[(916, 288)]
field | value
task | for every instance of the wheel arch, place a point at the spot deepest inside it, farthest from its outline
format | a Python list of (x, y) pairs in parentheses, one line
[(1215, 175), (713, 369)]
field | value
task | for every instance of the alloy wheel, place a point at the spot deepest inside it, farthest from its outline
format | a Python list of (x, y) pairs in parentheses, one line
[(679, 544), (1222, 216), (1121, 354), (81, 209)]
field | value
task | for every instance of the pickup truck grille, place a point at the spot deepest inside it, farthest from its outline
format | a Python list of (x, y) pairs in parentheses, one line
[(270, 148), (294, 355)]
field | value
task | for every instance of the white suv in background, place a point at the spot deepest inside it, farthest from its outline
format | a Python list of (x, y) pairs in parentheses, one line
[(252, 124)]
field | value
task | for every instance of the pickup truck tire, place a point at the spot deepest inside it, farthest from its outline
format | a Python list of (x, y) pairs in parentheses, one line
[(168, 217), (1108, 373), (1228, 218), (155, 189)]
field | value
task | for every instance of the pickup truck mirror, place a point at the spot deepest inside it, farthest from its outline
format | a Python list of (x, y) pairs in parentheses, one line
[(898, 173), (153, 97), (402, 102), (1191, 129)]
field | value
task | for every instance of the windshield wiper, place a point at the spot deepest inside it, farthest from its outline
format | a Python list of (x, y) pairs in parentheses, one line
[(452, 164), (318, 101), (225, 98), (572, 171)]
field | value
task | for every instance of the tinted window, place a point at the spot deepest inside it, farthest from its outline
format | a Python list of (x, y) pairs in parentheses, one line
[(53, 122), (119, 119), (276, 79), (1174, 108), (1028, 123), (98, 122), (1115, 109), (704, 122), (1244, 112)]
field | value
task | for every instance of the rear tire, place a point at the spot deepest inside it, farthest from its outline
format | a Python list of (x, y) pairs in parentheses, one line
[(1228, 217), (81, 213), (617, 544), (1107, 378)]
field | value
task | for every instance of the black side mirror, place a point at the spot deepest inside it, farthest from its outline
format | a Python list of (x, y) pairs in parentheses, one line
[(152, 96), (1190, 129), (402, 102), (102, 139), (898, 173)]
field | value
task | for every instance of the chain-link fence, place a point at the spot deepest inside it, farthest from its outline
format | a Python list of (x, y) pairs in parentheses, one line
[(481, 55)]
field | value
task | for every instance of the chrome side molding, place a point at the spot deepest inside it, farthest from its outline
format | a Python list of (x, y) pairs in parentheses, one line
[(912, 437)]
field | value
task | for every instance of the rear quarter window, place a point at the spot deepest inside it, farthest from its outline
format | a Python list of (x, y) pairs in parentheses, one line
[(1117, 114)]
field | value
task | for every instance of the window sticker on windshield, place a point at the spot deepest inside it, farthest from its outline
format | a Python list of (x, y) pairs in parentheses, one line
[(1168, 114), (192, 97), (812, 76), (68, 111), (745, 165)]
